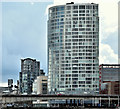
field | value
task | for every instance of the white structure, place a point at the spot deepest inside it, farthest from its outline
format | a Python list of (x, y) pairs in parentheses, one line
[(40, 85), (73, 48)]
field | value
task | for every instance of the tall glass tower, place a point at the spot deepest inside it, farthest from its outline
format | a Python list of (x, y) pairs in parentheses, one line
[(73, 48)]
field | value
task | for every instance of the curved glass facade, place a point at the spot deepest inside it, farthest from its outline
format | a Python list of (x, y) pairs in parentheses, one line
[(73, 48)]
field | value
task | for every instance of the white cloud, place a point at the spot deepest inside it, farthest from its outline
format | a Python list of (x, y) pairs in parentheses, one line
[(111, 29), (108, 19), (107, 55), (3, 84), (26, 0), (32, 3)]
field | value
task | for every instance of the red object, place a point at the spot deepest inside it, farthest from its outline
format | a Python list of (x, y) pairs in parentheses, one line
[(59, 94)]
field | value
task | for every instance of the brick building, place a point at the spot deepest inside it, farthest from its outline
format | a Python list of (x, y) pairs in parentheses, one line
[(109, 79)]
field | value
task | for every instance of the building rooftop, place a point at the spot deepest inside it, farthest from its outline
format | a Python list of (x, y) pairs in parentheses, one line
[(69, 3), (72, 3)]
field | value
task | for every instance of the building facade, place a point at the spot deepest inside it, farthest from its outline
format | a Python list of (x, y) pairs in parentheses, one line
[(109, 78), (4, 90), (10, 84), (40, 85), (110, 88), (73, 48), (30, 69), (42, 73)]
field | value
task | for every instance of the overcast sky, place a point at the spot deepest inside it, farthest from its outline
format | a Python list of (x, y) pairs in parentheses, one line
[(24, 33)]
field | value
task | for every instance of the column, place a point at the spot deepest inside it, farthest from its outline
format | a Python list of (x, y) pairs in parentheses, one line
[(109, 102), (100, 101)]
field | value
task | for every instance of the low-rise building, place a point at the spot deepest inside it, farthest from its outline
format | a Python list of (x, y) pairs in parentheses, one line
[(4, 90), (40, 85), (109, 79)]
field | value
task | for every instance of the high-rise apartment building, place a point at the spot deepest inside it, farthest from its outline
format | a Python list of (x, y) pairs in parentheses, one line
[(30, 69), (73, 47)]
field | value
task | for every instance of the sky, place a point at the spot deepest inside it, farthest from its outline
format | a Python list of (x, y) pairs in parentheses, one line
[(24, 33), (24, 28)]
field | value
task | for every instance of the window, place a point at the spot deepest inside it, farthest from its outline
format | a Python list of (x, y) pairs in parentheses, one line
[(75, 11), (75, 7), (82, 11), (82, 7), (68, 7), (88, 7)]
